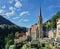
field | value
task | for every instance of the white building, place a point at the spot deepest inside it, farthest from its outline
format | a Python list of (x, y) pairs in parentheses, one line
[(58, 30), (52, 34)]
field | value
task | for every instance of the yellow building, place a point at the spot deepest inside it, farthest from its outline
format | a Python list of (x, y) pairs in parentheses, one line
[(52, 34), (58, 30)]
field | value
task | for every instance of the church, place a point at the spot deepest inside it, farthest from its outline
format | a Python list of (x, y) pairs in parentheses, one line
[(36, 31)]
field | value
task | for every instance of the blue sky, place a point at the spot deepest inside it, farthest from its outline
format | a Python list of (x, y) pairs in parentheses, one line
[(25, 12)]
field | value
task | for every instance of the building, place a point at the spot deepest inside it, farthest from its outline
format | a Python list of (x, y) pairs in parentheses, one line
[(40, 25), (58, 30), (52, 34), (36, 31), (29, 35), (21, 37)]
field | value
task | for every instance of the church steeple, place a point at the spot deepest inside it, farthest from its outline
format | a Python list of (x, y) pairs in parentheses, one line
[(40, 13), (40, 26), (40, 16)]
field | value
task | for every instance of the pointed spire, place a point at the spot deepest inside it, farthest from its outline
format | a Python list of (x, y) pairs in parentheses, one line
[(40, 26), (40, 14)]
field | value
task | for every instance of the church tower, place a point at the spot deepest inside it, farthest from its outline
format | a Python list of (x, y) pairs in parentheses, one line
[(40, 25)]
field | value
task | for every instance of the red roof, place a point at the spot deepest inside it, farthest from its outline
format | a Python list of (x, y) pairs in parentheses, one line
[(16, 37), (20, 35), (34, 28)]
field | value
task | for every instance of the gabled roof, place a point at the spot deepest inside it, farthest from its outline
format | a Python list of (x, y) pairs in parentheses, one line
[(20, 35), (34, 28)]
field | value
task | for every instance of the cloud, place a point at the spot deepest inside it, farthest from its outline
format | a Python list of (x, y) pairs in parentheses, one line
[(1, 11), (10, 1), (10, 13), (16, 18), (11, 8), (26, 20), (3, 7), (18, 4), (23, 20), (24, 13), (20, 20)]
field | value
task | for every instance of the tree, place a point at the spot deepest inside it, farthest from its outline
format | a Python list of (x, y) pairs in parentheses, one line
[(15, 46), (57, 47), (16, 34), (40, 46), (53, 21), (47, 45), (10, 42), (10, 37), (25, 47)]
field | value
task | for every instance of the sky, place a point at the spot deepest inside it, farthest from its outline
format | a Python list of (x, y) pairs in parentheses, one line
[(25, 12)]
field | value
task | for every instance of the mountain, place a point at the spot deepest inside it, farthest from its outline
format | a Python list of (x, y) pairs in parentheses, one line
[(8, 29), (4, 21)]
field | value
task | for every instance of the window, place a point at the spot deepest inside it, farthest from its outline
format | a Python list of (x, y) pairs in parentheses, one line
[(58, 28)]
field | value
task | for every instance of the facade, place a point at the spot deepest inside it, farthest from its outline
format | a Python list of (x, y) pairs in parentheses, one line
[(34, 32), (16, 40), (52, 34), (58, 30), (21, 37), (29, 32)]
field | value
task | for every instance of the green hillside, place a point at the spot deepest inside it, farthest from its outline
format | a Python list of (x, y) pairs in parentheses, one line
[(52, 22)]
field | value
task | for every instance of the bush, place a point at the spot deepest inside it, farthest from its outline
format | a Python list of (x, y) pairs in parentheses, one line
[(40, 46), (47, 45), (25, 47), (10, 42)]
